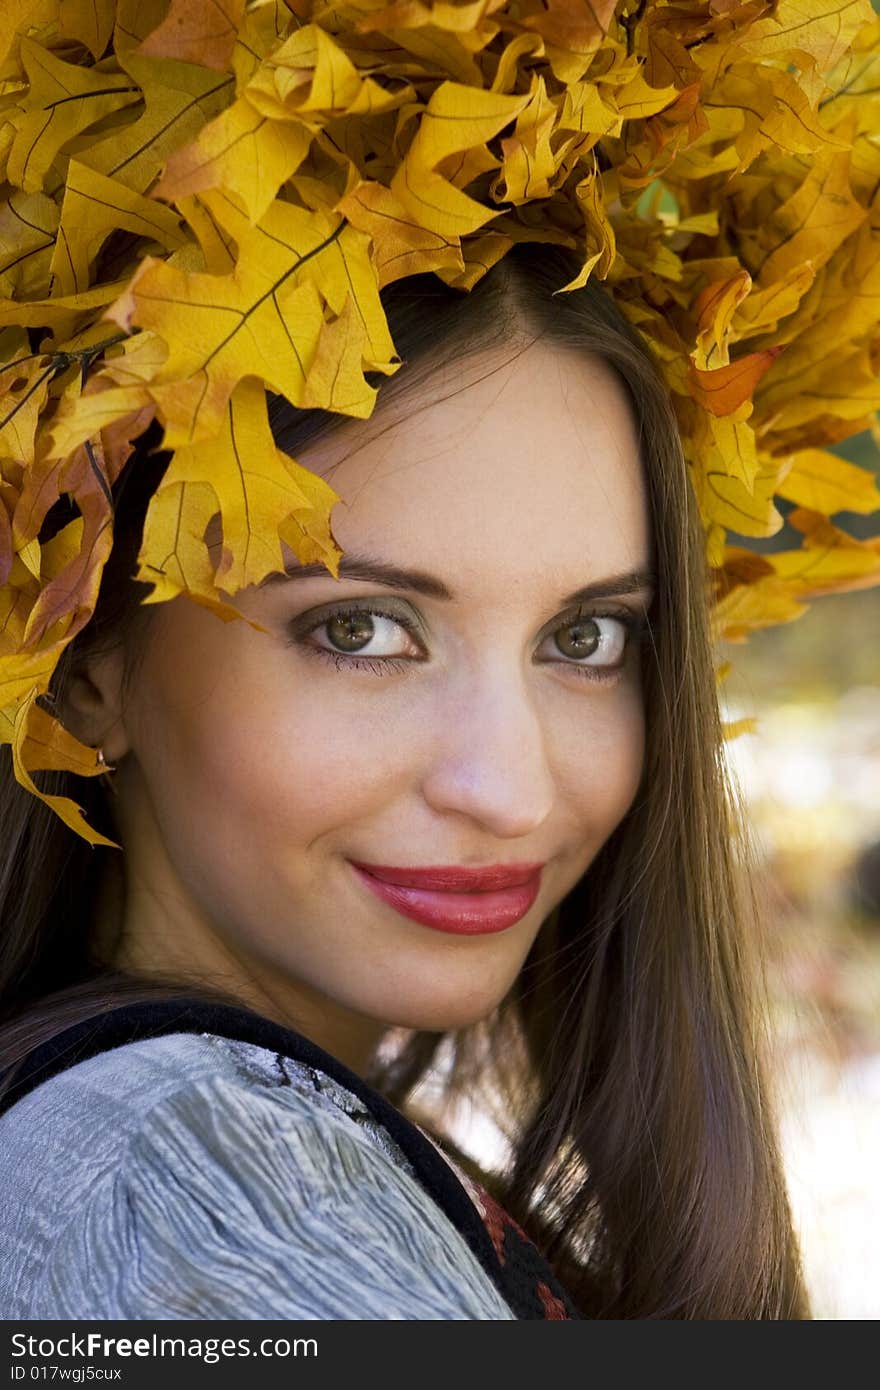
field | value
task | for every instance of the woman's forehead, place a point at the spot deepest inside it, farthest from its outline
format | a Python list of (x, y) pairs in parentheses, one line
[(530, 469), (545, 419)]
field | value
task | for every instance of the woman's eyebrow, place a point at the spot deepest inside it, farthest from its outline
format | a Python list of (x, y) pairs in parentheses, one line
[(395, 577)]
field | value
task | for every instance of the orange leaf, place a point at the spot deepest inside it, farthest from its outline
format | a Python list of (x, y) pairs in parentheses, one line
[(197, 31)]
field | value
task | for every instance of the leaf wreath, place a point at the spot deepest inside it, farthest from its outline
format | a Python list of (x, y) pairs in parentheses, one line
[(203, 199)]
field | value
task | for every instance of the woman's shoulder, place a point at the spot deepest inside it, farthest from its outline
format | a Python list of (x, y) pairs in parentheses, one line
[(194, 1175), (99, 1109)]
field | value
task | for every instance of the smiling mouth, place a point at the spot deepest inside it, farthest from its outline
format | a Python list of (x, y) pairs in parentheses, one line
[(477, 912)]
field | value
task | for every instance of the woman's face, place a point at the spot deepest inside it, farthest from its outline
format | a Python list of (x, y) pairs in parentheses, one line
[(255, 767)]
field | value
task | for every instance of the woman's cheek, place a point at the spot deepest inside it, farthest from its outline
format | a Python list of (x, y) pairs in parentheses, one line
[(604, 777)]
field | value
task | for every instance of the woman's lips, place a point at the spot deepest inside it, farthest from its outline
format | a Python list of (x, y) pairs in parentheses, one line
[(468, 914)]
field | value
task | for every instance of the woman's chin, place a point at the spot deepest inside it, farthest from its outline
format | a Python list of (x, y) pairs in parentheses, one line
[(441, 1015)]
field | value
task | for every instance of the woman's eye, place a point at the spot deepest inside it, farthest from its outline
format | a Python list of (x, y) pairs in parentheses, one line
[(592, 645), (363, 632)]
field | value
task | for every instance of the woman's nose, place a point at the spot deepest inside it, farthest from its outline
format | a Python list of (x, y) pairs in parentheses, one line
[(491, 756)]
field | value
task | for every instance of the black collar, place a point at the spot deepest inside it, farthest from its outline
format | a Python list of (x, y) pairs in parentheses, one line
[(134, 1022)]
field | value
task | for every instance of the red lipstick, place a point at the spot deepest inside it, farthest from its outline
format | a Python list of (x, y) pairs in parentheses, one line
[(456, 899)]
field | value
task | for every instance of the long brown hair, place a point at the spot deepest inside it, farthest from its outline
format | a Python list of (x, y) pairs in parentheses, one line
[(627, 1063)]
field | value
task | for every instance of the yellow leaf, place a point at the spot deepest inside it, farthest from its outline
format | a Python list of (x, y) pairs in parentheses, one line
[(729, 446), (506, 72), (23, 390), (173, 556), (725, 501), (765, 603), (135, 19), (445, 36), (62, 100), (84, 416), (773, 111), (824, 482), (307, 530), (735, 728), (601, 242), (572, 32), (89, 21), (310, 73), (480, 253), (38, 741), (761, 309), (179, 98), (217, 245), (58, 314), (584, 110), (18, 17), (240, 150), (830, 560), (256, 491), (530, 163), (812, 223), (22, 671), (28, 223), (344, 269), (456, 118), (336, 380), (714, 308), (93, 207), (234, 326), (797, 397), (400, 246), (815, 31), (636, 99)]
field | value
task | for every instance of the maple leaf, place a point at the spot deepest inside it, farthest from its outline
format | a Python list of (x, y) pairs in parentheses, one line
[(263, 320), (256, 491), (178, 99), (40, 741), (62, 99), (197, 31)]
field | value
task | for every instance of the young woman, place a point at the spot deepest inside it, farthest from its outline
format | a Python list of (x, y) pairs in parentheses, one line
[(464, 804)]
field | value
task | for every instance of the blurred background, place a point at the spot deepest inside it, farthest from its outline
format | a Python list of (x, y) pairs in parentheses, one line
[(810, 775)]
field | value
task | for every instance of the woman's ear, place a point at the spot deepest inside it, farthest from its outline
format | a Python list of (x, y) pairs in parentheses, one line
[(92, 706)]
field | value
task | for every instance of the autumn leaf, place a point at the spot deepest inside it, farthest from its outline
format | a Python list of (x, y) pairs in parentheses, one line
[(197, 31), (572, 33), (95, 206), (178, 99), (115, 392), (28, 226), (67, 599), (456, 118), (88, 21), (39, 741), (62, 100), (237, 326), (400, 245), (825, 483), (255, 487), (262, 320), (727, 502), (242, 151), (24, 386), (724, 390), (174, 558)]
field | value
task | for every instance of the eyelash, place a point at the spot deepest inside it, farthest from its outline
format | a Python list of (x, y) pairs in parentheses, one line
[(636, 625)]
